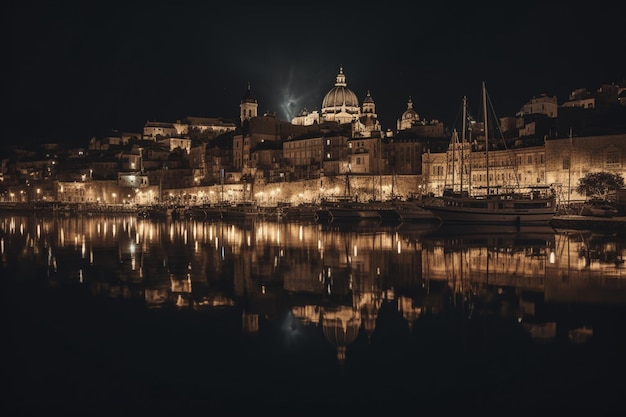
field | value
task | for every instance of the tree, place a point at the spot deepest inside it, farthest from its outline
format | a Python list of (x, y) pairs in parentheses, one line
[(597, 185)]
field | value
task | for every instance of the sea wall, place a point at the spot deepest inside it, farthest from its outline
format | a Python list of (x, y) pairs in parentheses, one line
[(360, 187)]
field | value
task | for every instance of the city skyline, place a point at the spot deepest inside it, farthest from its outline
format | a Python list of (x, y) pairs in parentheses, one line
[(74, 73)]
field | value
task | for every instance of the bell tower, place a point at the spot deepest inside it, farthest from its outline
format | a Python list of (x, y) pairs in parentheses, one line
[(248, 106)]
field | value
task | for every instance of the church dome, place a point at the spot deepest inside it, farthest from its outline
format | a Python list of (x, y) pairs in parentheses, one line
[(340, 96), (409, 117), (410, 114), (340, 99)]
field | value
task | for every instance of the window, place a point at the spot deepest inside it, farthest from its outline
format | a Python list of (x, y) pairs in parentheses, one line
[(566, 163), (612, 158)]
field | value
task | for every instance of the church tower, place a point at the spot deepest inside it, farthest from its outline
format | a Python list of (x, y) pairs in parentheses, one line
[(369, 107), (248, 106), (367, 125)]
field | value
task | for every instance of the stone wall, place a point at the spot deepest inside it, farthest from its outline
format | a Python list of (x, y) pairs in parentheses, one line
[(361, 187)]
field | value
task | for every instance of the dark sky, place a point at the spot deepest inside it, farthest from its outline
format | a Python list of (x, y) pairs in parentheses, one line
[(73, 70)]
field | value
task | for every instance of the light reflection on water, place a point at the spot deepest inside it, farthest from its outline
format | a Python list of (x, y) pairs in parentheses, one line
[(331, 291)]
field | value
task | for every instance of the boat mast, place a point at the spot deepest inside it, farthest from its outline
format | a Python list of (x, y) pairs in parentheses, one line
[(222, 181), (463, 139), (452, 155), (569, 171), (486, 134)]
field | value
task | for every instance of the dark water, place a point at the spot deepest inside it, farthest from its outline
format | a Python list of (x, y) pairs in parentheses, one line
[(123, 316)]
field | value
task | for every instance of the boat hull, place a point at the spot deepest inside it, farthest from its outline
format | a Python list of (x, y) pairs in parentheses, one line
[(338, 211), (413, 212), (353, 214), (496, 210)]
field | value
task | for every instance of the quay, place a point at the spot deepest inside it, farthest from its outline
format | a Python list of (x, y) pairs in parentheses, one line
[(578, 222)]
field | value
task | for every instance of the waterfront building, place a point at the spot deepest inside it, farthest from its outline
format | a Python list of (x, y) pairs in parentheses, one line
[(552, 146)]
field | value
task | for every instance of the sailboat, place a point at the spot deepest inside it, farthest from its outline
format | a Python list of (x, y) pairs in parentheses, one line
[(462, 203), (347, 208)]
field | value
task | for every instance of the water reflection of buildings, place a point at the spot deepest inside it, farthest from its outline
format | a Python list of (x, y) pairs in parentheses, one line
[(333, 280), (587, 267)]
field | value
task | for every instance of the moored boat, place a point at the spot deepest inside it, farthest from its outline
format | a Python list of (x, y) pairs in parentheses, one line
[(461, 203), (303, 211), (501, 208), (410, 211), (160, 212), (239, 211), (352, 211)]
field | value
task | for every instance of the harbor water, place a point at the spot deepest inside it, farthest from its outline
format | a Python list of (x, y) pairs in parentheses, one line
[(119, 315)]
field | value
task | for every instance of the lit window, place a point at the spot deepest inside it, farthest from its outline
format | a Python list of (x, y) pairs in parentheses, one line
[(612, 158)]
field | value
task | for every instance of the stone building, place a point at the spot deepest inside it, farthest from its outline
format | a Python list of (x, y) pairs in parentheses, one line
[(557, 164), (569, 159), (366, 156)]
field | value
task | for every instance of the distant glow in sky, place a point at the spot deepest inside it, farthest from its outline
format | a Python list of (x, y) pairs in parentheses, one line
[(293, 99), (291, 104)]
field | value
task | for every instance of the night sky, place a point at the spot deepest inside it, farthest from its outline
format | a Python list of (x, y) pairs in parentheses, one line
[(74, 70)]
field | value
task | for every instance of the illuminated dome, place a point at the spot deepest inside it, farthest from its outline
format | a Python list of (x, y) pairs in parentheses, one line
[(340, 104), (409, 113), (409, 117)]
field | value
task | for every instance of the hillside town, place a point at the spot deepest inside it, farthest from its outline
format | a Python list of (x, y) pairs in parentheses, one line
[(340, 150)]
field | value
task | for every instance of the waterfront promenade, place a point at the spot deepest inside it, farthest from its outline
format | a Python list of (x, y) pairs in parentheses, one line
[(560, 221)]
